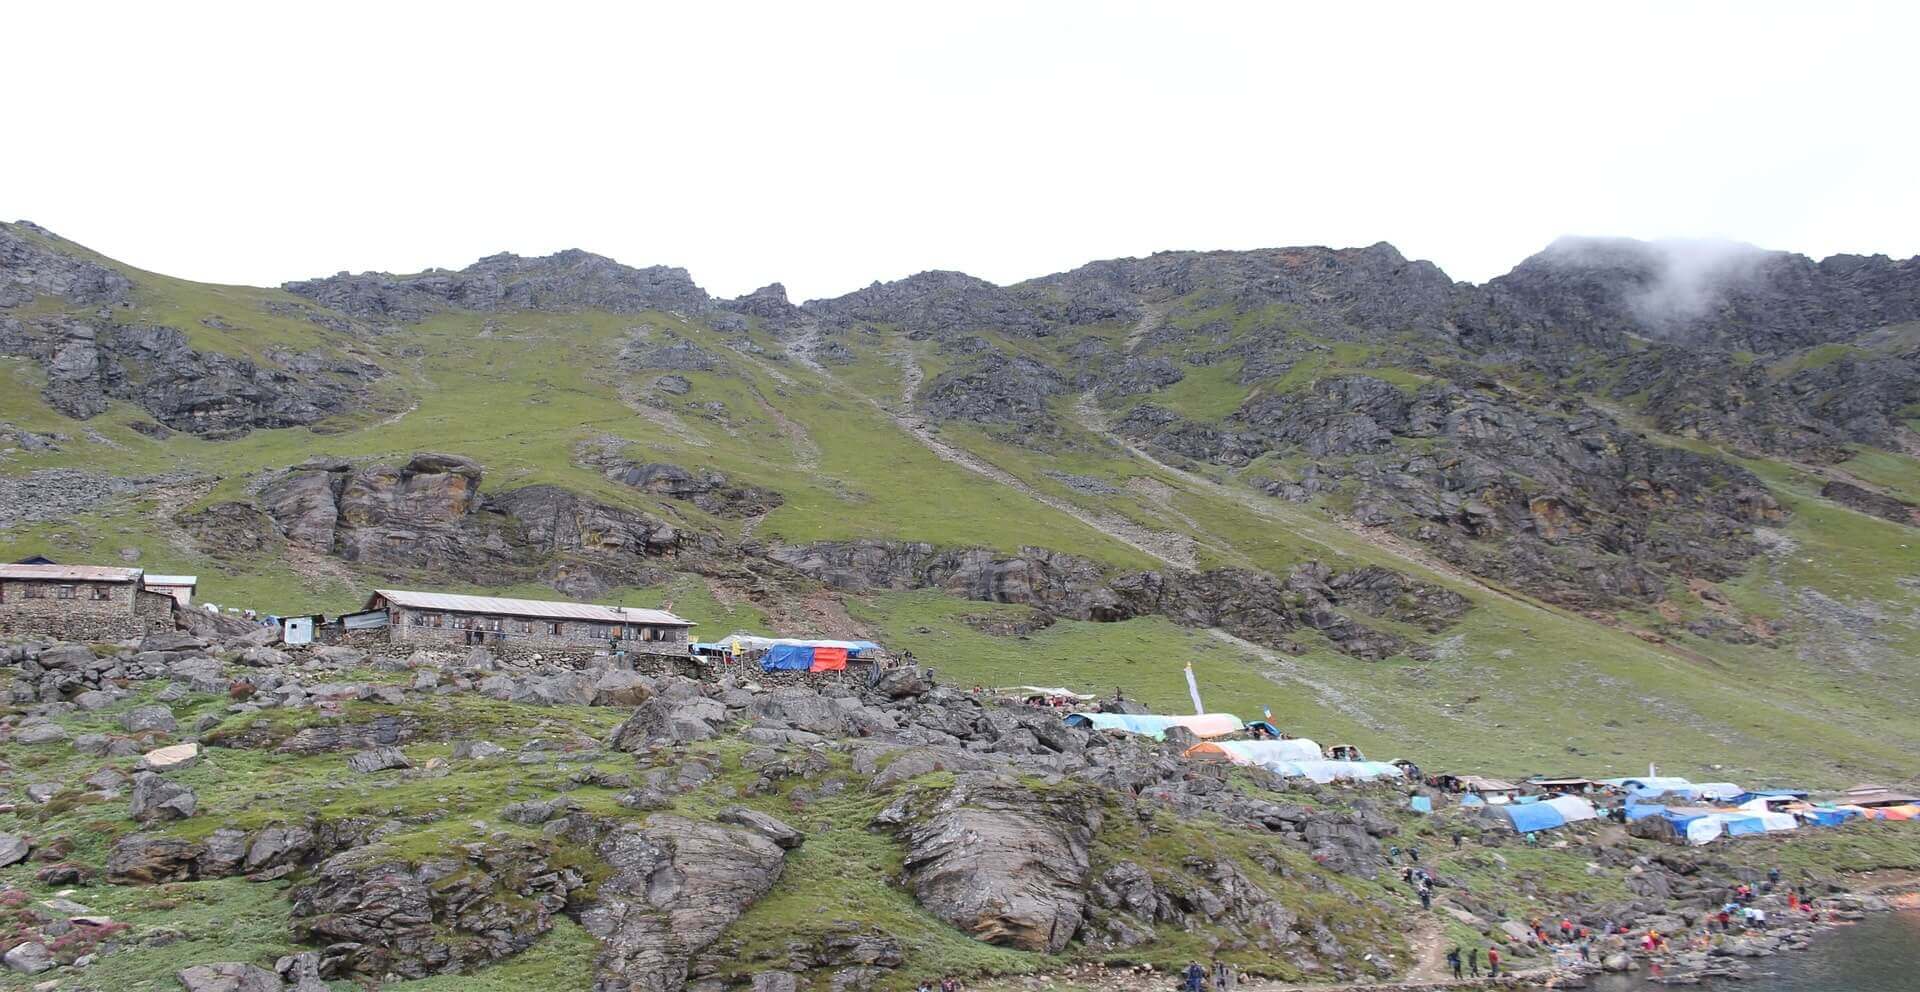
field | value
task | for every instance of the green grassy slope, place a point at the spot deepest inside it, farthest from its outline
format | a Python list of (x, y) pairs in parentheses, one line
[(1516, 687)]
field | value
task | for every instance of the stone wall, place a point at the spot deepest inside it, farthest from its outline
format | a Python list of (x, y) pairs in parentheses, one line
[(82, 618)]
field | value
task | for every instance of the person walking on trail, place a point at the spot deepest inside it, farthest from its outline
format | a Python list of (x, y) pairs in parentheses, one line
[(1493, 962), (1426, 896), (1413, 855), (1222, 976), (1457, 838), (1453, 961), (1473, 962), (1393, 854), (1196, 977)]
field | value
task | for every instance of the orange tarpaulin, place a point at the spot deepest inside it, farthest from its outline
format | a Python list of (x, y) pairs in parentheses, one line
[(829, 660)]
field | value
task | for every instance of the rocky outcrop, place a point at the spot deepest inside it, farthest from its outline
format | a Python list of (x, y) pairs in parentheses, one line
[(994, 389), (377, 914), (1254, 605), (32, 265), (710, 491), (675, 885), (1005, 862), (1867, 501), (568, 280), (429, 514), (935, 303), (1602, 291), (89, 363), (1561, 501)]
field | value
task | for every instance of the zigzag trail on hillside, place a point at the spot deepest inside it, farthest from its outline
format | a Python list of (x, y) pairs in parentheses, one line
[(1176, 550)]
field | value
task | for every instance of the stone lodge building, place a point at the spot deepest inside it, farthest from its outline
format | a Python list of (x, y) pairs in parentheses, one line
[(439, 619), (80, 603)]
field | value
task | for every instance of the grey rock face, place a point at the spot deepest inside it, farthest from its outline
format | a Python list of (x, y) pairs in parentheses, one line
[(375, 914), (13, 849), (30, 266), (568, 280), (676, 885), (157, 800), (994, 389), (142, 719), (772, 828), (710, 491), (29, 958), (1002, 862), (672, 719), (40, 733), (140, 859), (229, 976), (378, 759)]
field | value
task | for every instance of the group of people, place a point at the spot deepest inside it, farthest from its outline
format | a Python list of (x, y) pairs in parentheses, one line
[(1200, 979), (947, 983), (1468, 965)]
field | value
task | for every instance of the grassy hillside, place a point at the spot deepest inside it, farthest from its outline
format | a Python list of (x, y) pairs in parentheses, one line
[(1516, 687)]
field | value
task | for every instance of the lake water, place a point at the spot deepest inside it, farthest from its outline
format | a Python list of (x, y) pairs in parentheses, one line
[(1879, 954)]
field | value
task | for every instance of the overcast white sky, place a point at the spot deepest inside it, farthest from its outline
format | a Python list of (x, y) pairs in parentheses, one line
[(829, 145)]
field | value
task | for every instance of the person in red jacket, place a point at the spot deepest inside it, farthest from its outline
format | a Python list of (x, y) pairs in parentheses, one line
[(1493, 962)]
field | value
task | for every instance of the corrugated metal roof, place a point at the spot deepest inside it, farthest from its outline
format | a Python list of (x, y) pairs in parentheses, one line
[(528, 608), (69, 573), (173, 580)]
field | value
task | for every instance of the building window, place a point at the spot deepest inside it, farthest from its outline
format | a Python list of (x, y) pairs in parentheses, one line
[(525, 626), (495, 624), (555, 628), (597, 632), (32, 590), (101, 593), (63, 592)]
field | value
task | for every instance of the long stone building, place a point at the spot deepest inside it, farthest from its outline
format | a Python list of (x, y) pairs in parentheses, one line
[(81, 602), (433, 618)]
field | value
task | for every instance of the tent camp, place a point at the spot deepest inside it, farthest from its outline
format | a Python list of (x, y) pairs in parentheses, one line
[(1257, 752), (1654, 787), (1528, 818), (791, 654), (1757, 807), (1203, 725), (1323, 772)]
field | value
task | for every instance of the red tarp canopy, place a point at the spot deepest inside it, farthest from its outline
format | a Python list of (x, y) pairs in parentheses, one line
[(829, 660)]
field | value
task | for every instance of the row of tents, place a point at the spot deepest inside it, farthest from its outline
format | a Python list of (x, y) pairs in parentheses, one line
[(1700, 812), (1295, 757), (788, 654)]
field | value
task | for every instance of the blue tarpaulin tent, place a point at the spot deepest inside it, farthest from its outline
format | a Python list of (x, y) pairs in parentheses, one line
[(1828, 817), (1531, 817), (787, 658), (1420, 804)]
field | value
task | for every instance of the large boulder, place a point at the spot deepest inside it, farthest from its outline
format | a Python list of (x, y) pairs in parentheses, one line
[(376, 913), (800, 709), (141, 859), (29, 957), (772, 828), (142, 719), (1006, 863), (13, 849), (676, 885), (669, 719), (229, 976), (157, 800)]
